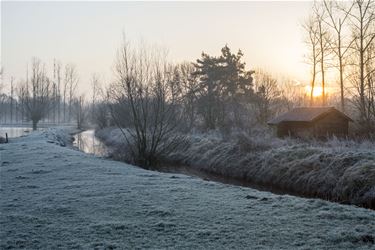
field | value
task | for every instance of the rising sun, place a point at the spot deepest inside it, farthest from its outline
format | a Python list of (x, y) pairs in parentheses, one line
[(318, 91)]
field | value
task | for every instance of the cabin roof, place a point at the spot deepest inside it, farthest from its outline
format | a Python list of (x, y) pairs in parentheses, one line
[(305, 114)]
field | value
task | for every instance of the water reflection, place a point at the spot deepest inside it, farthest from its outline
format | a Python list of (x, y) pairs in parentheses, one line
[(14, 132), (87, 142)]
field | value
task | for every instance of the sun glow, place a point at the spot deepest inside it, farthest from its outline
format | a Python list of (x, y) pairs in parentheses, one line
[(318, 91)]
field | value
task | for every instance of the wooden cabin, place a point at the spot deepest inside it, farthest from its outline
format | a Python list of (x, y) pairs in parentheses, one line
[(305, 122)]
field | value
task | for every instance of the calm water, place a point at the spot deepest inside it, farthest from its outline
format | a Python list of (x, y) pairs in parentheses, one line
[(87, 142), (14, 132)]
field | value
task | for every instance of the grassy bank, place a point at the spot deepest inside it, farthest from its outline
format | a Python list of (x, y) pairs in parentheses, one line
[(337, 170)]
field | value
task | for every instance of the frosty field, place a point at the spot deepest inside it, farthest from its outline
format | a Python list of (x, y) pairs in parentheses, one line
[(55, 197)]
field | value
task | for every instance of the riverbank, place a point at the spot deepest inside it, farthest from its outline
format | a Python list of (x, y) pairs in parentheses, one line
[(56, 197), (336, 170)]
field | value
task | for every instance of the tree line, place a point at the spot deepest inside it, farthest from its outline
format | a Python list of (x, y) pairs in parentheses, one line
[(154, 102), (41, 97), (340, 37)]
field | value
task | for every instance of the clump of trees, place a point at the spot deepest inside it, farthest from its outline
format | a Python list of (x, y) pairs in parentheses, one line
[(41, 97), (341, 38), (154, 102), (144, 103)]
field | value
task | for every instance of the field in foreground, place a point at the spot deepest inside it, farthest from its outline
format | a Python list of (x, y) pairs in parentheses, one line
[(54, 197)]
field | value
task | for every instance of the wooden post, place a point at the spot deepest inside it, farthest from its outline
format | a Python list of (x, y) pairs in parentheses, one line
[(6, 137)]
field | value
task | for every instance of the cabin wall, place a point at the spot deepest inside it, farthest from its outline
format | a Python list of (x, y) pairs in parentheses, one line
[(332, 124), (295, 129)]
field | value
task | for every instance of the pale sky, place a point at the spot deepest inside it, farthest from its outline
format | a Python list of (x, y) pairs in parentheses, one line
[(89, 33)]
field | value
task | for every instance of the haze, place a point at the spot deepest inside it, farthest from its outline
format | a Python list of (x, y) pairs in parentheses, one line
[(89, 33)]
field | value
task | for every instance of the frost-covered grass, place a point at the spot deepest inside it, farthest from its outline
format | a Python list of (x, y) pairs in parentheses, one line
[(53, 197), (337, 170)]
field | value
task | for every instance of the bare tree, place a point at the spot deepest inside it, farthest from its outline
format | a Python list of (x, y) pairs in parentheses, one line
[(267, 96), (311, 29), (80, 111), (143, 93), (65, 91), (337, 18), (293, 93), (362, 17), (11, 98), (190, 88), (2, 94), (96, 91), (99, 104), (370, 83), (324, 45), (70, 86), (57, 88), (36, 93)]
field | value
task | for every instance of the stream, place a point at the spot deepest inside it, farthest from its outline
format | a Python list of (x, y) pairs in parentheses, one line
[(87, 142), (14, 132)]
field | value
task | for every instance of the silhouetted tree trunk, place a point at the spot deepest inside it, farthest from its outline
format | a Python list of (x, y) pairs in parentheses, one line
[(320, 15), (11, 99), (313, 42)]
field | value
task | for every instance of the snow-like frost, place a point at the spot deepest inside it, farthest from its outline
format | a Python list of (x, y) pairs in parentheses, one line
[(339, 170), (54, 197)]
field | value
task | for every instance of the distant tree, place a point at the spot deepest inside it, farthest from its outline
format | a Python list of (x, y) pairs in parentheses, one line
[(101, 117), (189, 88), (36, 93), (293, 93), (80, 112), (224, 85), (99, 104), (70, 87), (11, 99), (267, 95), (95, 85), (1, 80), (58, 80), (3, 96), (57, 84)]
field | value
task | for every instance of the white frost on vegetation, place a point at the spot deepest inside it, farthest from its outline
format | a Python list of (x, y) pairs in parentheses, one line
[(53, 197), (339, 170)]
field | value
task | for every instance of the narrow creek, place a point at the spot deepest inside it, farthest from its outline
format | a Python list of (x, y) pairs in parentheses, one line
[(87, 142)]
